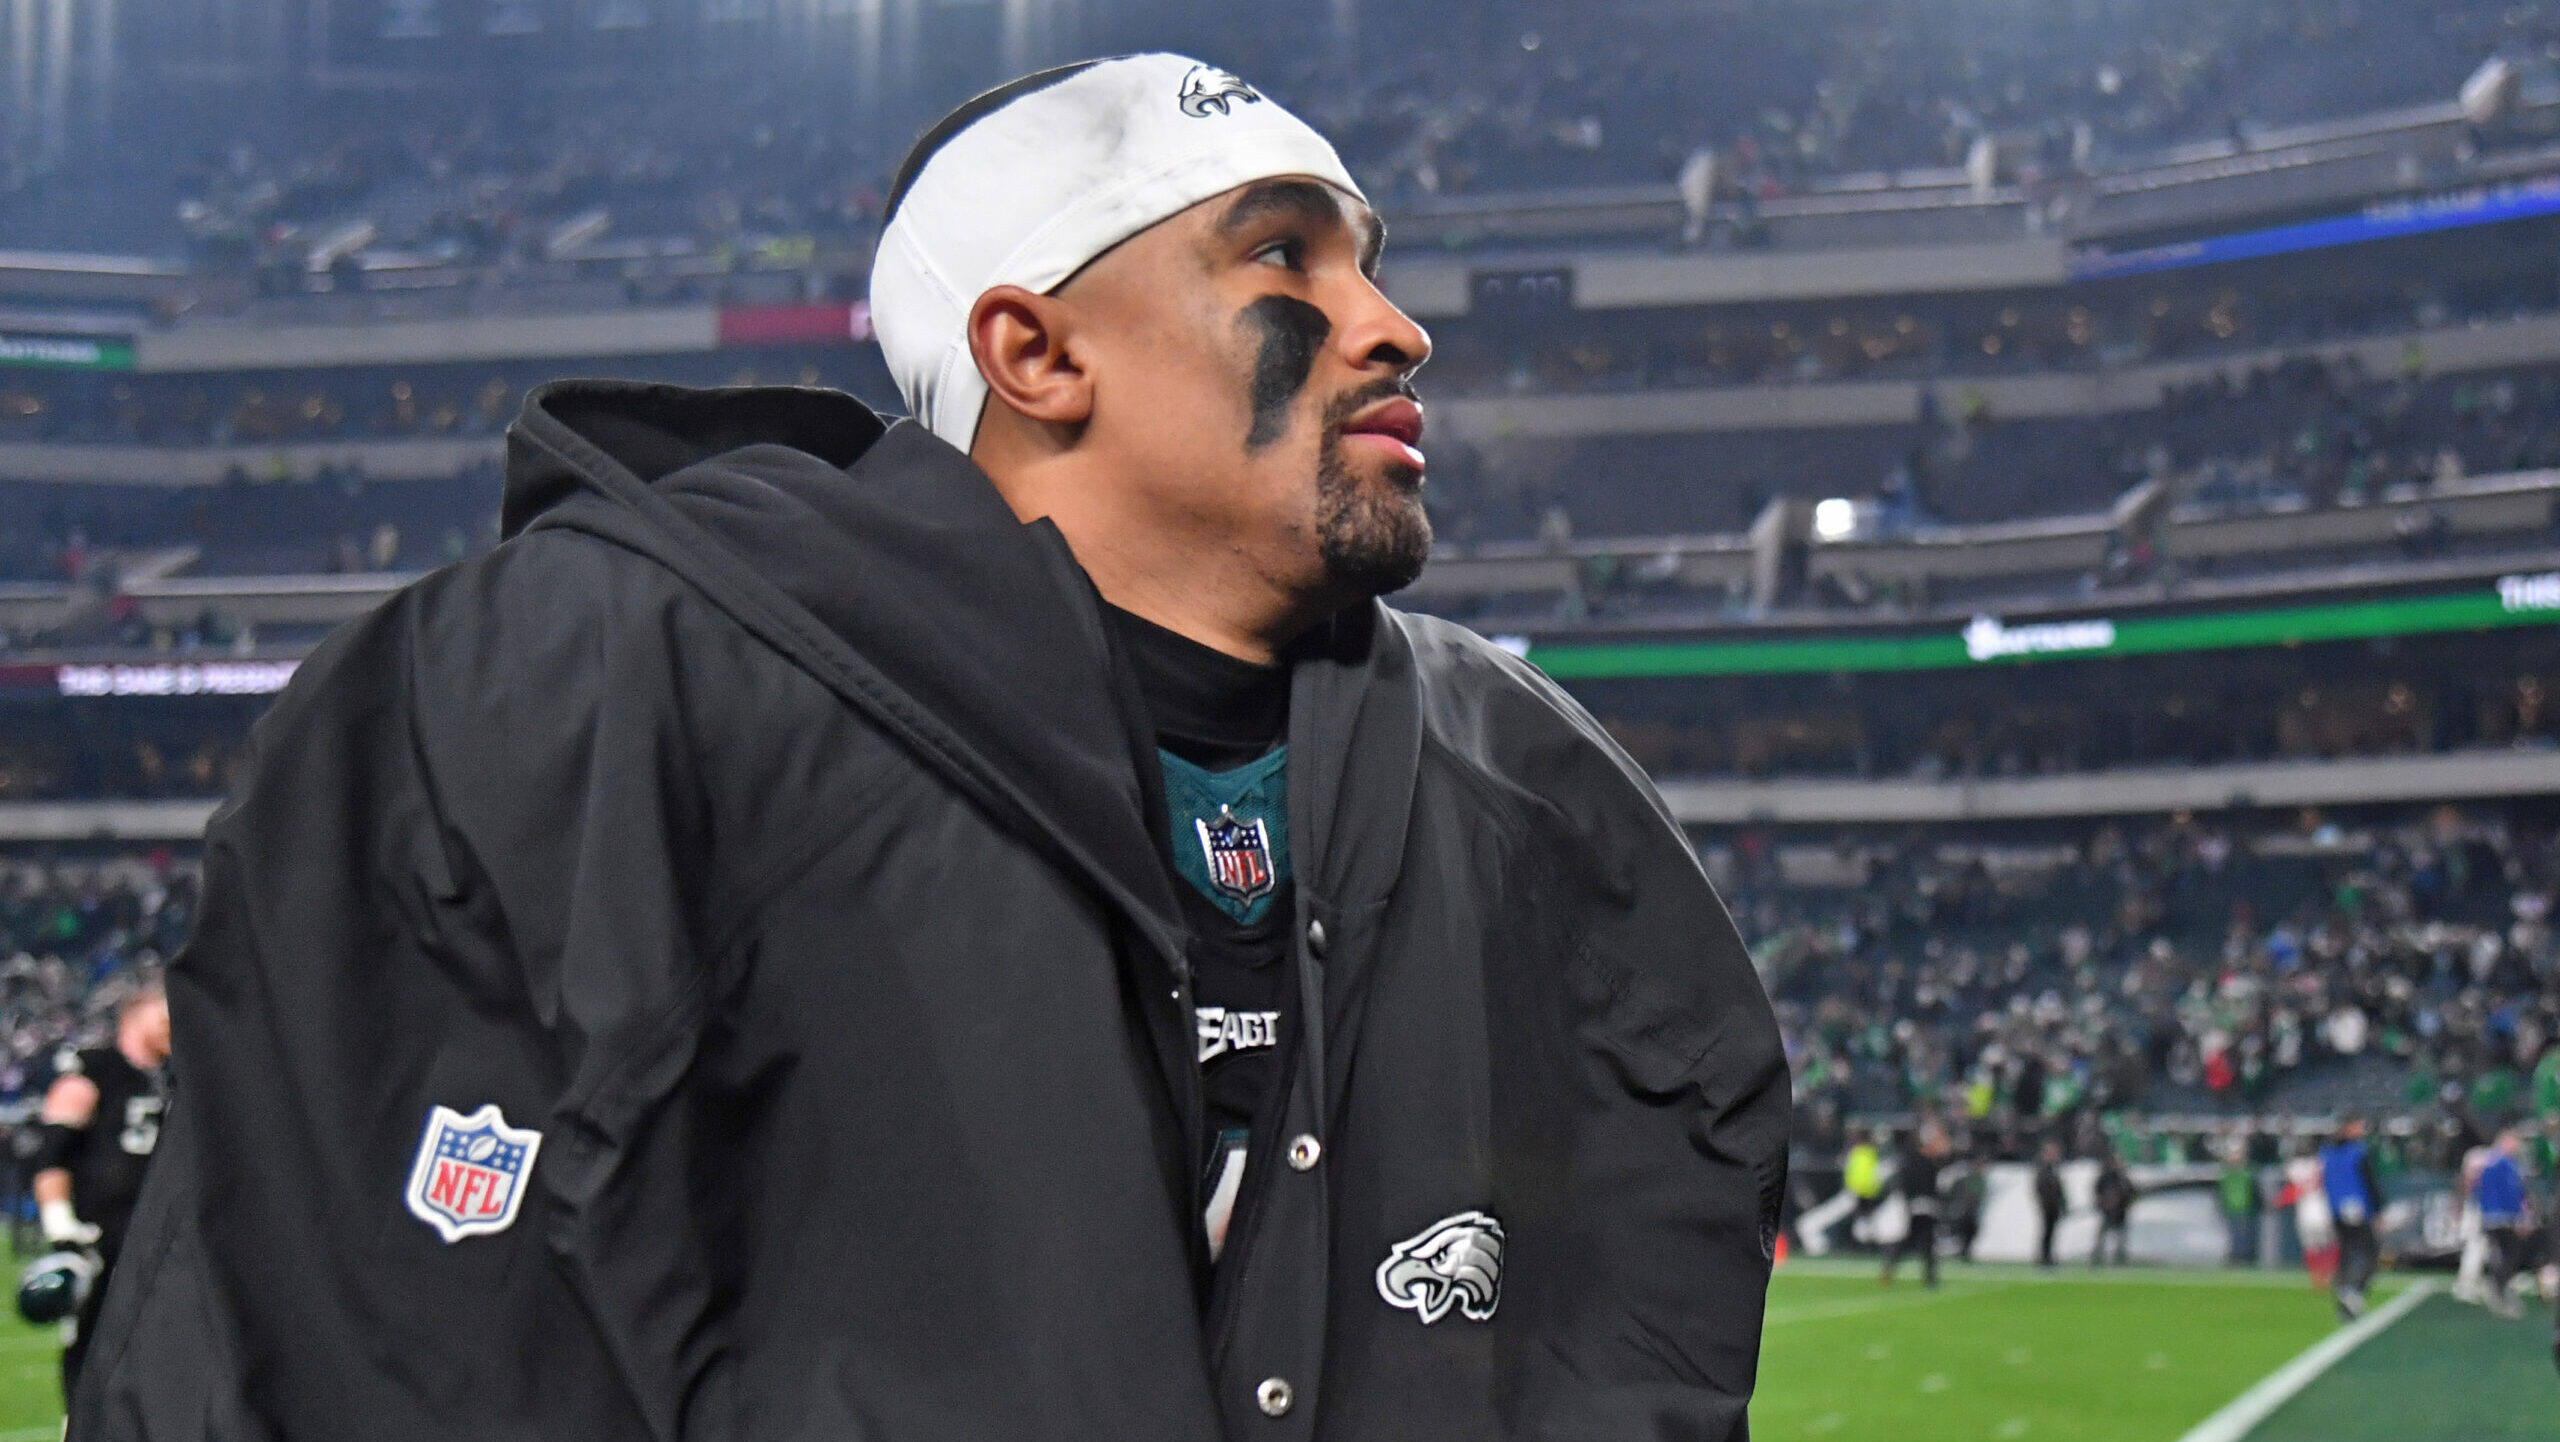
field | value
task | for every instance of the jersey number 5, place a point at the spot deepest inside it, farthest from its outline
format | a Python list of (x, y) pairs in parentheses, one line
[(141, 1126)]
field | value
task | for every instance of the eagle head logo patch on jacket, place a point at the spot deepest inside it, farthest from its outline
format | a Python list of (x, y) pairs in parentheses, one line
[(1454, 1262), (1209, 88)]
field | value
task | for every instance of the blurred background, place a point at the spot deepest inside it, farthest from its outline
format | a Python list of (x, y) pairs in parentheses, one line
[(2060, 494)]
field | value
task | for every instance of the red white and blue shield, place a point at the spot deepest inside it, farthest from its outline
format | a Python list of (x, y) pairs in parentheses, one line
[(471, 1171), (1239, 857)]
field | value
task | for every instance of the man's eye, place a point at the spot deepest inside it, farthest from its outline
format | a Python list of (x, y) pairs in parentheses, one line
[(1283, 253)]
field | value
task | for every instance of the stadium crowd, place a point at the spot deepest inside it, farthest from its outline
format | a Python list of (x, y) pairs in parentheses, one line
[(1789, 97), (2201, 968), (2300, 433), (1793, 95), (2186, 967)]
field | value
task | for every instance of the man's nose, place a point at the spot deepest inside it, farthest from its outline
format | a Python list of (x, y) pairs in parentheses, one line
[(1381, 335)]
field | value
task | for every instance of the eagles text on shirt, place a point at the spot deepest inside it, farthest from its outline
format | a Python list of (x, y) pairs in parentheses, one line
[(1223, 1031)]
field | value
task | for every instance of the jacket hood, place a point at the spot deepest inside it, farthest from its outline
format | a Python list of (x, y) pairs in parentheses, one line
[(975, 638)]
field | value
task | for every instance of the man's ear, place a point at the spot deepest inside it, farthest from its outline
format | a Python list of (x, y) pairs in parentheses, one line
[(1023, 344)]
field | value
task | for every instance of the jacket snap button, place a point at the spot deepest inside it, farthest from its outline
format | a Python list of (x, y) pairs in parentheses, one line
[(1303, 1152), (1315, 937), (1274, 1396)]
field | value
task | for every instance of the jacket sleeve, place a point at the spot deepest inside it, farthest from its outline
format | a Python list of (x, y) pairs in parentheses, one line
[(1680, 1153), (458, 876)]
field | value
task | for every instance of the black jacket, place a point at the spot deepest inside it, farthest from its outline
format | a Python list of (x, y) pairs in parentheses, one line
[(766, 821), (2115, 1194)]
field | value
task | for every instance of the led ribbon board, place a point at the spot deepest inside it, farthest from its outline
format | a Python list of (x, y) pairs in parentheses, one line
[(2381, 221), (1987, 641)]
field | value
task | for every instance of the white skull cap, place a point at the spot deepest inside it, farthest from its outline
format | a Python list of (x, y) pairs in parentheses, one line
[(1028, 183)]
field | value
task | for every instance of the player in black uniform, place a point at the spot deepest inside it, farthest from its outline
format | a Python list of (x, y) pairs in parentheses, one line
[(101, 1120)]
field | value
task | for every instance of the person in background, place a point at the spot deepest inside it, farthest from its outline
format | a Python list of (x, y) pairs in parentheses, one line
[(1964, 1188), (2237, 1190), (1916, 1177), (2051, 1202), (2115, 1212), (1862, 1173), (2313, 1227), (2500, 1194), (99, 1126), (2474, 1264), (2355, 1202)]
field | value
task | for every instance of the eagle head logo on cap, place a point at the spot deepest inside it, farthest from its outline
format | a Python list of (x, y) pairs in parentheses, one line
[(1208, 88), (1028, 183)]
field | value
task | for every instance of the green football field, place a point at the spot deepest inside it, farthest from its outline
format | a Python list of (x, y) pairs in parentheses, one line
[(2003, 1353), (2128, 1356), (30, 1378)]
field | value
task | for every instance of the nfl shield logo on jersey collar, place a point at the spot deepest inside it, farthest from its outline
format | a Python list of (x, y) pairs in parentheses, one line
[(1239, 856), (471, 1171)]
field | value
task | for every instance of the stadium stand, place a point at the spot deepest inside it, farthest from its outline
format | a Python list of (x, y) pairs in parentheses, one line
[(1809, 402), (2191, 967)]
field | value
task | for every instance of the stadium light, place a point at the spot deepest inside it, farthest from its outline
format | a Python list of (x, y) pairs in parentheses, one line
[(1835, 519)]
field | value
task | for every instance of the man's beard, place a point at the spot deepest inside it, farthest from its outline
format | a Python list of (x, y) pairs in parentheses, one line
[(1374, 536)]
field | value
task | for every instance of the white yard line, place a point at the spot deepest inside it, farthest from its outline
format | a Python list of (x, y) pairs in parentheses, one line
[(2254, 1406)]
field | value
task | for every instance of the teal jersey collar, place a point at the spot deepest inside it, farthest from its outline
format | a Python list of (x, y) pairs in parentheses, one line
[(1231, 831)]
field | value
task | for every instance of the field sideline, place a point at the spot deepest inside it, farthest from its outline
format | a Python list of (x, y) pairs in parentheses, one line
[(2002, 1353)]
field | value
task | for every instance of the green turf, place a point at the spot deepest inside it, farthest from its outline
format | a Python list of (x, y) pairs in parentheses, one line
[(2006, 1352), (30, 1379), (2446, 1371)]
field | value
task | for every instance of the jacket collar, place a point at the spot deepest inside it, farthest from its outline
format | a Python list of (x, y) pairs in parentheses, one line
[(885, 564)]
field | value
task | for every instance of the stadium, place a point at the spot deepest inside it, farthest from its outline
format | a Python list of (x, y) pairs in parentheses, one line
[(2063, 501)]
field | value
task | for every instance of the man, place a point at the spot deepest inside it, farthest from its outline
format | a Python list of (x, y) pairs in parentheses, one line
[(2236, 1189), (2354, 1196), (2472, 1267), (1862, 1174), (1916, 1177), (1966, 1191), (2051, 1201), (2115, 1194), (980, 928), (2499, 1193), (98, 1127)]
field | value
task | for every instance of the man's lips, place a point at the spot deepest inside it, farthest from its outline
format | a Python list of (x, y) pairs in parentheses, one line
[(1393, 425)]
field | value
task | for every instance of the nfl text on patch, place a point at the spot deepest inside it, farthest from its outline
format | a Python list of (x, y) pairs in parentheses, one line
[(470, 1174)]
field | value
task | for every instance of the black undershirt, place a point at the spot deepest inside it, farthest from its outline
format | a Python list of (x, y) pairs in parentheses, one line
[(1209, 708), (1219, 712)]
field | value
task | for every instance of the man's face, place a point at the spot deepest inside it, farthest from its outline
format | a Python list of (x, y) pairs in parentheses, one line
[(1253, 386)]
